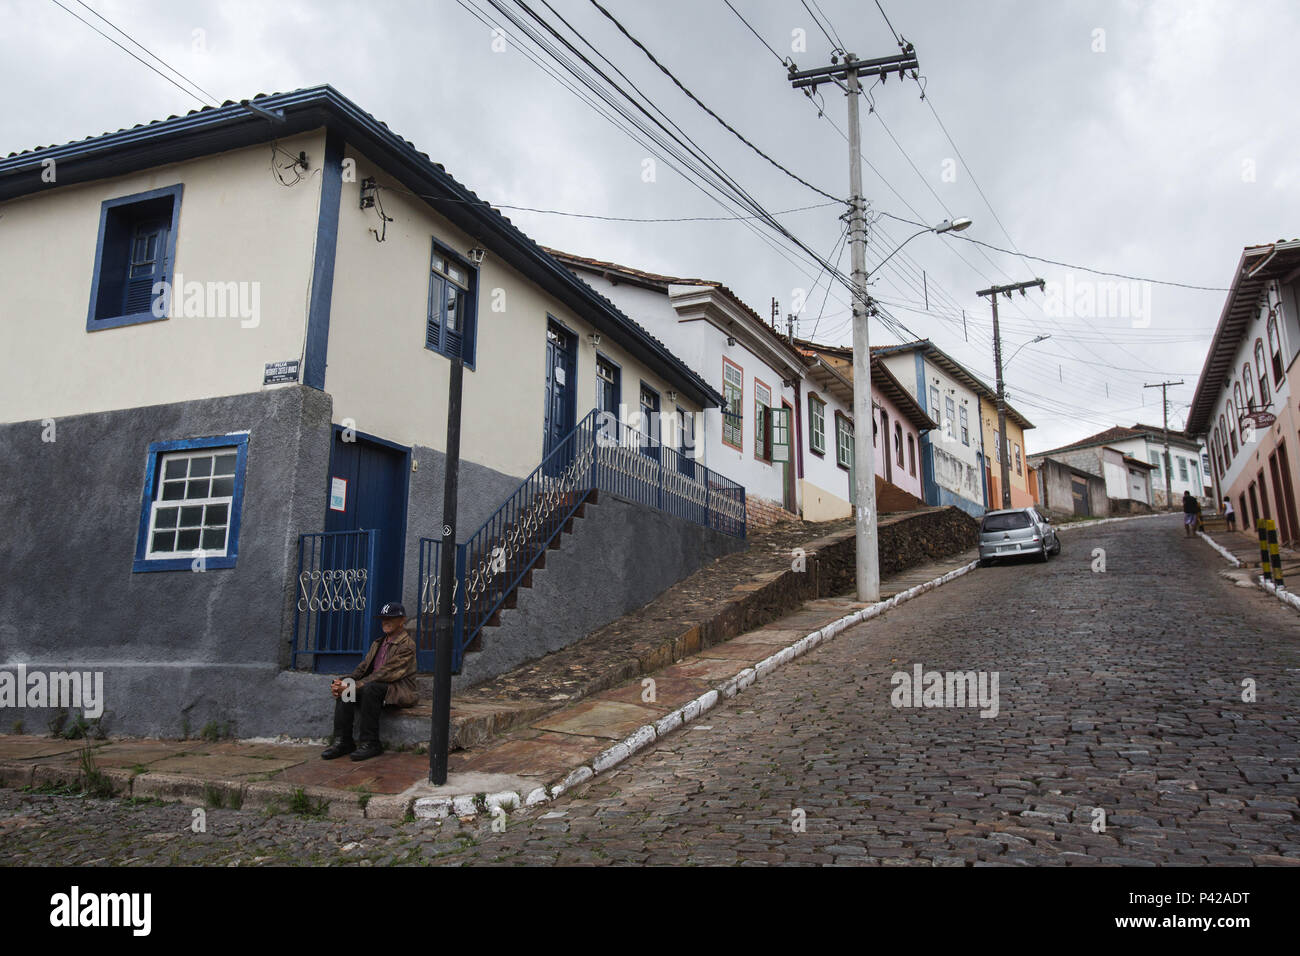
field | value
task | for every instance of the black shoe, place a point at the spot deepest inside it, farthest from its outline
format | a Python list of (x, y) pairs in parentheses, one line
[(367, 750), (338, 750)]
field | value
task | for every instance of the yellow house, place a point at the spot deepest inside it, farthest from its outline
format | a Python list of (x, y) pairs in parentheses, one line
[(1018, 472)]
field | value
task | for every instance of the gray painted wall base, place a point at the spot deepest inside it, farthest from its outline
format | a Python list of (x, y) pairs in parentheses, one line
[(619, 558), (179, 700)]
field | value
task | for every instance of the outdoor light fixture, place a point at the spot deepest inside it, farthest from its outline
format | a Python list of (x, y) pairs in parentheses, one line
[(731, 340), (594, 338), (953, 225), (672, 396), (477, 254)]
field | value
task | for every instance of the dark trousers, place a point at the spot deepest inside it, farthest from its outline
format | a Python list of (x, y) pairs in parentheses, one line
[(370, 700)]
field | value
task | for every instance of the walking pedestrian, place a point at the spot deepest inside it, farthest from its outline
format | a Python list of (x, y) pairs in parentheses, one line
[(1229, 515), (1191, 513)]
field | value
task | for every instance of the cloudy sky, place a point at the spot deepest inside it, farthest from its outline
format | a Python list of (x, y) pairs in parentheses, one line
[(1147, 139)]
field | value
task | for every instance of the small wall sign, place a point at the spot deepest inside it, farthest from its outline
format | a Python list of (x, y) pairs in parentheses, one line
[(280, 372), (338, 494)]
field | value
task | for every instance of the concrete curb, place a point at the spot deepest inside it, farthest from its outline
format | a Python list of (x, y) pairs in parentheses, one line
[(1224, 552), (1282, 594), (468, 805), (1088, 524)]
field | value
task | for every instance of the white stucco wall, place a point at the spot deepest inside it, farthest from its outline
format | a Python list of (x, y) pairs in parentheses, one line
[(237, 223), (1251, 457), (385, 380), (956, 464), (702, 346)]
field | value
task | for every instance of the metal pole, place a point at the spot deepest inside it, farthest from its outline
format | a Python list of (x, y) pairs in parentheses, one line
[(1002, 408), (1169, 478), (1164, 401), (440, 722), (864, 464)]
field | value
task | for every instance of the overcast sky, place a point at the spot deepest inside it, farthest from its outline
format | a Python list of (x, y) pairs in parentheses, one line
[(1150, 139)]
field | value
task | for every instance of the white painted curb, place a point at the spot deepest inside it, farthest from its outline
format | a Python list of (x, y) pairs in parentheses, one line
[(1224, 552), (1282, 594), (468, 805), (1095, 521)]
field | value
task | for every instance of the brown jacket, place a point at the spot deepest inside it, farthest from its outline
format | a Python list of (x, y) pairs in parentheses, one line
[(398, 671)]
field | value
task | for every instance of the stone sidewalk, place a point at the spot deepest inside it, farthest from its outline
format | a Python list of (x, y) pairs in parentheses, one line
[(1244, 546), (536, 754)]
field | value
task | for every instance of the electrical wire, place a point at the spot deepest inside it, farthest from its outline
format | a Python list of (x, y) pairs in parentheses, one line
[(189, 93), (700, 103)]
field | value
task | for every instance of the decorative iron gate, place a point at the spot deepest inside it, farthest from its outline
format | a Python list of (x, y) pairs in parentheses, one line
[(334, 613)]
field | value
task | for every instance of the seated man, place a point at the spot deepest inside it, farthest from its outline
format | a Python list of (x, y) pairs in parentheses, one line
[(386, 676)]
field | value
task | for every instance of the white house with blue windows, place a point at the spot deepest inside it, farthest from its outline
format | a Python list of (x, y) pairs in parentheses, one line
[(229, 337), (953, 457)]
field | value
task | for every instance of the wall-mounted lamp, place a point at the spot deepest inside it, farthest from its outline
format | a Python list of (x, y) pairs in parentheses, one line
[(477, 254), (594, 338), (672, 396), (731, 340), (787, 383)]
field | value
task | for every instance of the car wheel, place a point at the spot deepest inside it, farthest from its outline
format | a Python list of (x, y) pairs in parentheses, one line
[(1042, 553), (1056, 546)]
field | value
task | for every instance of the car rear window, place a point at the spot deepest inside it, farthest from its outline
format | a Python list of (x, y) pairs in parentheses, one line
[(1008, 522)]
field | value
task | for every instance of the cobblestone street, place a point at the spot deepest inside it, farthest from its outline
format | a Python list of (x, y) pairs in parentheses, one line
[(1119, 690)]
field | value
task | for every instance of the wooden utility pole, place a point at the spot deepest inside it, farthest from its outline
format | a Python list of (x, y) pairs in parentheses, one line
[(850, 70), (1004, 458), (1164, 403)]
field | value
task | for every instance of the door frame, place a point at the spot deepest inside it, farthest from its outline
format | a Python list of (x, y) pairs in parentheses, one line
[(405, 452), (788, 482), (570, 386)]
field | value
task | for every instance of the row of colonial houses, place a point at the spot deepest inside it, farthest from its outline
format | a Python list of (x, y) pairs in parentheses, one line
[(1242, 406), (230, 341)]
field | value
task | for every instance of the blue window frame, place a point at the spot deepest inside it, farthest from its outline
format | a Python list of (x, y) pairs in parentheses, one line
[(452, 320), (135, 251), (193, 498)]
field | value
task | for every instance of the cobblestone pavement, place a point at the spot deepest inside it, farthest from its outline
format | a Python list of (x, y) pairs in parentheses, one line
[(1119, 690)]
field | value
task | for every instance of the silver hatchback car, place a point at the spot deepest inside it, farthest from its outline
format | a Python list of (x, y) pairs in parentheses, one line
[(1017, 532)]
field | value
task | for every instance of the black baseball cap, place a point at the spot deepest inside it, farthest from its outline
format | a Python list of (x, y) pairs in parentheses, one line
[(392, 609)]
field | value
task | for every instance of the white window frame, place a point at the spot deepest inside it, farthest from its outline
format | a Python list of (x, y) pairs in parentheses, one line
[(159, 502)]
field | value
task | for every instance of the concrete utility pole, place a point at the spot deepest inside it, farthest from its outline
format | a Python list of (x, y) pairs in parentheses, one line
[(1164, 403), (1005, 462), (864, 463)]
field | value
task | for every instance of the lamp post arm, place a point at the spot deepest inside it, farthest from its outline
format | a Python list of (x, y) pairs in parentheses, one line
[(896, 251)]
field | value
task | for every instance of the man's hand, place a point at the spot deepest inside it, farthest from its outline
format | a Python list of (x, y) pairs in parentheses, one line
[(336, 687)]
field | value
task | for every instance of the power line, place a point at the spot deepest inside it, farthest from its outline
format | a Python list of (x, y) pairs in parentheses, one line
[(211, 98), (700, 103), (189, 93), (835, 45)]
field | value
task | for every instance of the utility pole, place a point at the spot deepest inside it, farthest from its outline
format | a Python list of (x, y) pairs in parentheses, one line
[(1164, 403), (444, 633), (1004, 461), (850, 69)]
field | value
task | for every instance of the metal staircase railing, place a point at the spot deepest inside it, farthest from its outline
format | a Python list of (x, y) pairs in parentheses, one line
[(598, 454)]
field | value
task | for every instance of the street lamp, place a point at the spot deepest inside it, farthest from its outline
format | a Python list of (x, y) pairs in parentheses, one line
[(867, 567), (1039, 338), (948, 225)]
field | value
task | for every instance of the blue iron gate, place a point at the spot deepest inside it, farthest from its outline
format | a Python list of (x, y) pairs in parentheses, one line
[(334, 615)]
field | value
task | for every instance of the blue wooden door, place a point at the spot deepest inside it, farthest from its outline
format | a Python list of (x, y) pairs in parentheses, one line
[(558, 414), (372, 496)]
